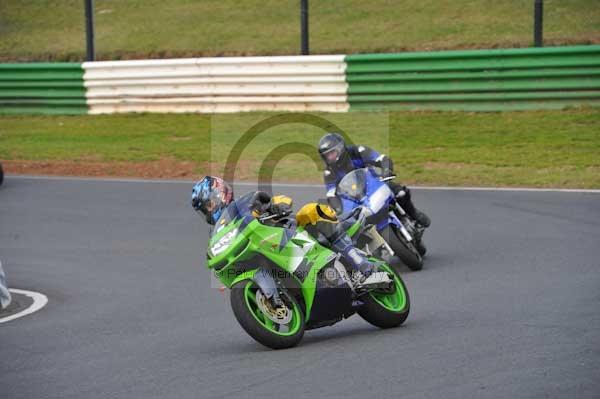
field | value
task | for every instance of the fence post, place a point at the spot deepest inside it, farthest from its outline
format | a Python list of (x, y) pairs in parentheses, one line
[(89, 30), (304, 27), (538, 23)]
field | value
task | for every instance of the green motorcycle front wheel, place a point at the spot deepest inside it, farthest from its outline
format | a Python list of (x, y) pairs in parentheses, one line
[(274, 328), (386, 309)]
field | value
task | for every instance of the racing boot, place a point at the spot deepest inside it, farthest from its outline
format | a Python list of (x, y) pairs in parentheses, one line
[(422, 218), (368, 277), (404, 199), (361, 267), (357, 279), (354, 260)]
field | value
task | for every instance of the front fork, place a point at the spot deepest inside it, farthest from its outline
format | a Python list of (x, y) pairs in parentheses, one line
[(407, 236), (414, 230), (268, 286)]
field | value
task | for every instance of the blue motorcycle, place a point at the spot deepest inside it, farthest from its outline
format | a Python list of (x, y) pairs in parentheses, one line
[(364, 191)]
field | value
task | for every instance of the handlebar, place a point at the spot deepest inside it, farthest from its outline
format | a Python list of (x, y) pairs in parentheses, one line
[(354, 212), (274, 216), (263, 218), (384, 179)]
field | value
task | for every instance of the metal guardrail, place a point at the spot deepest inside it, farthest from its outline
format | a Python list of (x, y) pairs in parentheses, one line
[(477, 80), (235, 84), (42, 88)]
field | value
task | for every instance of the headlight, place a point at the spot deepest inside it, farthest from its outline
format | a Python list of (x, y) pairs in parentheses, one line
[(224, 242), (379, 198), (365, 212)]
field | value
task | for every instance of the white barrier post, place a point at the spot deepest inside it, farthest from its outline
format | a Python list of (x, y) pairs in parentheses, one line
[(5, 297)]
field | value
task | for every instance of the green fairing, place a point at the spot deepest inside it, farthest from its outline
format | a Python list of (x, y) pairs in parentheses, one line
[(353, 229), (249, 275), (256, 238)]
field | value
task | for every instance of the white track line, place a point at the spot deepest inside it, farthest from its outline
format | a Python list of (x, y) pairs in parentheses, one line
[(174, 181), (39, 301)]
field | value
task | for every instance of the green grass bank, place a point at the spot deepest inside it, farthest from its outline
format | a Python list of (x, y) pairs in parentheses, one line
[(54, 29), (528, 149)]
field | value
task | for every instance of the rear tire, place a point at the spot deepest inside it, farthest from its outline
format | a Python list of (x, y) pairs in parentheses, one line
[(248, 317), (421, 248), (408, 254), (386, 311)]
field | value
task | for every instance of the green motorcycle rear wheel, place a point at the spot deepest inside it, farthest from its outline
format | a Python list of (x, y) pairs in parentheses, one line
[(387, 309)]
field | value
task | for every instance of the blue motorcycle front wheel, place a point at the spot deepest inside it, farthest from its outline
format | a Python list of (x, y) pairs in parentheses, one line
[(406, 251)]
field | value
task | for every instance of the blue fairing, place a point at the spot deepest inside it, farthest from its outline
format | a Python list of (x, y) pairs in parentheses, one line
[(348, 205), (392, 219), (368, 195)]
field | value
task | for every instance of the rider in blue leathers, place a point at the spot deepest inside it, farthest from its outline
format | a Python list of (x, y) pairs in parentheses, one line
[(212, 196), (341, 159)]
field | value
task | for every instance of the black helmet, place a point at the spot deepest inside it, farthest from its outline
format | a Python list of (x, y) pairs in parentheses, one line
[(332, 148), (210, 196)]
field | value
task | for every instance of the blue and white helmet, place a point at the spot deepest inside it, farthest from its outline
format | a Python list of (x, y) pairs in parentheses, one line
[(210, 196)]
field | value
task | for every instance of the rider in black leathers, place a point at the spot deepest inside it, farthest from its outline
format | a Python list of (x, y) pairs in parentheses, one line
[(341, 159)]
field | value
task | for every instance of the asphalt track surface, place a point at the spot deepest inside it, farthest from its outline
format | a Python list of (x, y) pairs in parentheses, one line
[(508, 304)]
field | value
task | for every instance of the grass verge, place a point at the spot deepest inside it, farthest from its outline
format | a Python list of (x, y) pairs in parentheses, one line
[(534, 149)]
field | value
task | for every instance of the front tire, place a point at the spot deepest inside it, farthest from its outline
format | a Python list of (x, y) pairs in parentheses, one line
[(386, 310), (421, 248), (258, 325), (406, 251)]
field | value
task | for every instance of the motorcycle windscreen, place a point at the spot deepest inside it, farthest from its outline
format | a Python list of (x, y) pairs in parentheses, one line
[(236, 210), (354, 185)]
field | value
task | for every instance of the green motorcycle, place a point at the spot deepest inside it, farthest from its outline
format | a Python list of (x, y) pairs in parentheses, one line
[(283, 281)]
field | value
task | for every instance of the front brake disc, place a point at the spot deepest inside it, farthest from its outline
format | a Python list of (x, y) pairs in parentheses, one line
[(280, 315)]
